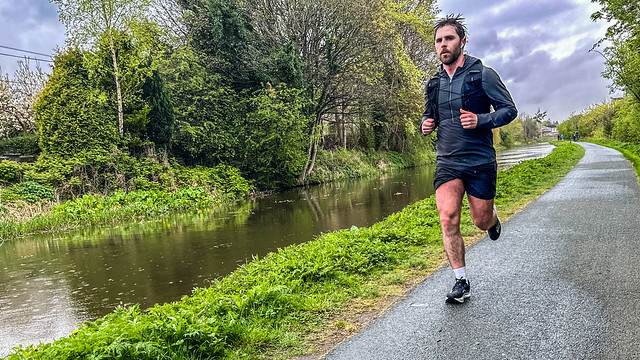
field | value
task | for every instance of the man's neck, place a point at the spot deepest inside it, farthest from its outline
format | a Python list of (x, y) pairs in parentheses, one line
[(451, 68)]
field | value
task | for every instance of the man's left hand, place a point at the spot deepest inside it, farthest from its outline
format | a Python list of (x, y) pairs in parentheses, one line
[(468, 119)]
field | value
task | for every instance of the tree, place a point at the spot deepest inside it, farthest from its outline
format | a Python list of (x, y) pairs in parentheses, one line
[(161, 116), (88, 20), (348, 48), (530, 127), (17, 97), (206, 109), (223, 31), (623, 56), (71, 113), (272, 157)]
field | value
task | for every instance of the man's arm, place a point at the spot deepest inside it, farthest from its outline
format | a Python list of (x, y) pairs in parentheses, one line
[(428, 123), (505, 108)]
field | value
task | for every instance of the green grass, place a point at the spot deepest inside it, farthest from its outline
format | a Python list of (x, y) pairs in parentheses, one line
[(630, 151), (119, 206), (269, 307), (352, 164)]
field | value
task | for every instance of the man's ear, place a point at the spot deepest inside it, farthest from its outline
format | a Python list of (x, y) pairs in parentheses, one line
[(464, 42)]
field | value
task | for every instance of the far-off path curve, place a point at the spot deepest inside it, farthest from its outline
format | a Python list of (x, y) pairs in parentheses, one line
[(561, 283)]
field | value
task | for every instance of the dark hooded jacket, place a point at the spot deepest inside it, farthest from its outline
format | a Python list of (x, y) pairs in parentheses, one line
[(471, 91)]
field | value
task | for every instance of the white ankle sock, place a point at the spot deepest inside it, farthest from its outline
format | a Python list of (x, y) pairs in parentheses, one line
[(461, 273)]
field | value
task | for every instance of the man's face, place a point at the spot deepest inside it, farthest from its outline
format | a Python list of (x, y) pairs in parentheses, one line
[(448, 45)]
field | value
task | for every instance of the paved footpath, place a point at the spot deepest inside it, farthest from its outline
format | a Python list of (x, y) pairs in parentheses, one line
[(561, 283)]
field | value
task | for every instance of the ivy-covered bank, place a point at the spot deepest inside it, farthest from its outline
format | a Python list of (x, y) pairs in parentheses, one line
[(272, 307)]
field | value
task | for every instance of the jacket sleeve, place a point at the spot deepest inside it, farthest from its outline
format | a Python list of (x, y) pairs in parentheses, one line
[(428, 109), (505, 108)]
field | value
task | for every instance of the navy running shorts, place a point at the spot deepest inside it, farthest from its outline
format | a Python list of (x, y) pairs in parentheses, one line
[(479, 181)]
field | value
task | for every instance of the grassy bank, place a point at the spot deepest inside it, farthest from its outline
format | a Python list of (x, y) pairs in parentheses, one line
[(630, 151), (29, 207), (349, 164), (274, 307)]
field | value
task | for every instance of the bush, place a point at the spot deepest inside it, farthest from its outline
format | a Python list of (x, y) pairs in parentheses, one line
[(22, 144), (10, 171), (29, 191), (72, 115)]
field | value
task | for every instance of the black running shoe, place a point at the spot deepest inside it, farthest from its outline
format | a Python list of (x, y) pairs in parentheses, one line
[(494, 231), (459, 292)]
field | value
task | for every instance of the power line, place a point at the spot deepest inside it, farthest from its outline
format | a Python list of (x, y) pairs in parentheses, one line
[(26, 57), (26, 51)]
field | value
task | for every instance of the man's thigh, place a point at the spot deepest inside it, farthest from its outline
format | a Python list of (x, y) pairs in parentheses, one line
[(449, 197), (478, 207), (481, 209)]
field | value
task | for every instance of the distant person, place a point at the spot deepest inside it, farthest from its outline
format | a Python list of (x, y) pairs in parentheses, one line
[(458, 102), (562, 137)]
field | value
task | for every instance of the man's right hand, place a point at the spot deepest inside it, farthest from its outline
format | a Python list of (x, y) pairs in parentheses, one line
[(428, 126)]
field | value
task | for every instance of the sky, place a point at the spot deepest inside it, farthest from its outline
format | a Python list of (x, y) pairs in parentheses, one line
[(540, 48)]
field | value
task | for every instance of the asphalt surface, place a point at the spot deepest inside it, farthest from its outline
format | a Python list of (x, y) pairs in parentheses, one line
[(561, 283)]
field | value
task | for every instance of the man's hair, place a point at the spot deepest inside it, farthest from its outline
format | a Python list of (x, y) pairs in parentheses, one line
[(457, 21)]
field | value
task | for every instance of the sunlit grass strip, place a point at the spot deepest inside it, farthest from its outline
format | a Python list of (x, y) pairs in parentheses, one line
[(629, 150), (267, 307)]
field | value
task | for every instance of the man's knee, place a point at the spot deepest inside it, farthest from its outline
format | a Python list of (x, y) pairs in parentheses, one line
[(450, 221), (484, 221)]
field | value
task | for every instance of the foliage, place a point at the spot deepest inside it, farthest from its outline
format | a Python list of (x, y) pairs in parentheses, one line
[(615, 120), (569, 126), (174, 189), (268, 305), (72, 115), (10, 171), (161, 115), (623, 55), (273, 157), (17, 98), (597, 120), (29, 191), (206, 110), (90, 22), (353, 164), (524, 128), (626, 122), (23, 144)]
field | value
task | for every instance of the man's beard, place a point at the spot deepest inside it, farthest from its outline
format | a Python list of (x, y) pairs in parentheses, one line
[(455, 54)]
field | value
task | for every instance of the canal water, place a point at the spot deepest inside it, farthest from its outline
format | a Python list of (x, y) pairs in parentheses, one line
[(51, 283)]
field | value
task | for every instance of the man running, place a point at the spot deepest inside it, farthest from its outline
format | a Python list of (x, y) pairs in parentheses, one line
[(459, 100)]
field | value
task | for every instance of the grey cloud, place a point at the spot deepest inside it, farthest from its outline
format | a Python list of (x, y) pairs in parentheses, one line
[(560, 87), (29, 25)]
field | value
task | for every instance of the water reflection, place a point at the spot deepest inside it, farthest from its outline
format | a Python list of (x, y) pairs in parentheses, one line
[(512, 157)]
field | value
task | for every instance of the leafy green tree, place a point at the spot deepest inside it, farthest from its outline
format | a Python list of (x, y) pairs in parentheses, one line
[(626, 122), (206, 110), (597, 121), (72, 115), (223, 31), (89, 20), (135, 69), (273, 157), (161, 115), (569, 126), (623, 56), (530, 127)]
